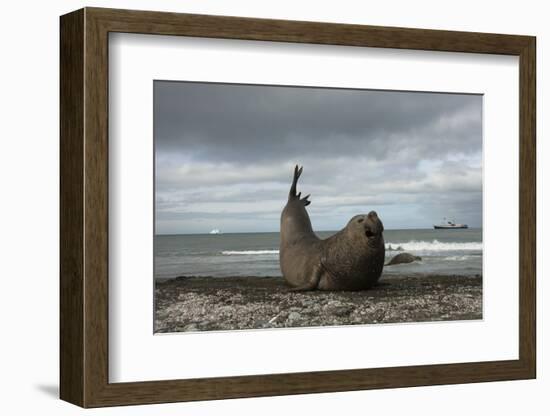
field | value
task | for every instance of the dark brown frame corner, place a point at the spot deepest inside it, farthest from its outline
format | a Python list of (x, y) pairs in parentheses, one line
[(84, 208)]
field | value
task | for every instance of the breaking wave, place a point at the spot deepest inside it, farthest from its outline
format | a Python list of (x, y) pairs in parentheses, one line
[(434, 245), (413, 245), (458, 258), (249, 252)]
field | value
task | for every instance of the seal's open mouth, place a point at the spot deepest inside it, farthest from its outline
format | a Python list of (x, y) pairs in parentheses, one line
[(373, 225), (373, 230)]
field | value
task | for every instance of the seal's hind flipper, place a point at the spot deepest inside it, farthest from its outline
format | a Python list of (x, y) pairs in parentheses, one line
[(305, 200), (297, 173)]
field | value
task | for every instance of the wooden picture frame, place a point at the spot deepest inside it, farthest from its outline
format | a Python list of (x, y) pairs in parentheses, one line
[(84, 207)]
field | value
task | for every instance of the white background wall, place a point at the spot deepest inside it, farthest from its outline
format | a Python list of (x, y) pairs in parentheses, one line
[(29, 159)]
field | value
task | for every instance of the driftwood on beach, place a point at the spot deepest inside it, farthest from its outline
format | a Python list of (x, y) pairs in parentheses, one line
[(207, 303)]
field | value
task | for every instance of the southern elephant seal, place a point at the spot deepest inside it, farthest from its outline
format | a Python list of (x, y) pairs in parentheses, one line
[(403, 258), (351, 259)]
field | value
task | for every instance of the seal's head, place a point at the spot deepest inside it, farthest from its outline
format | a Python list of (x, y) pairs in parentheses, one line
[(367, 226)]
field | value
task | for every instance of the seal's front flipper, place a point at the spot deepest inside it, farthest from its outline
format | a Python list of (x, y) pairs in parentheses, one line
[(304, 288), (312, 284)]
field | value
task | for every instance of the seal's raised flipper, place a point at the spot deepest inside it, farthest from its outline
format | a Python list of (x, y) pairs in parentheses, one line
[(292, 194), (312, 284), (297, 173)]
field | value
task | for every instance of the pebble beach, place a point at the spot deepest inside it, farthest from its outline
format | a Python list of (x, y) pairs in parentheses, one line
[(198, 303)]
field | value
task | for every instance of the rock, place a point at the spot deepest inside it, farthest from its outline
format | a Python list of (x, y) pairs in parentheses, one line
[(403, 258), (259, 323), (337, 308), (340, 310), (308, 302), (294, 316)]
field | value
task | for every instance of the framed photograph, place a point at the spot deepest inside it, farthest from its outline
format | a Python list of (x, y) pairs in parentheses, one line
[(255, 207)]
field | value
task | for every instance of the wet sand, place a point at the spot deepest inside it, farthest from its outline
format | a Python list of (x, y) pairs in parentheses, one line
[(207, 303)]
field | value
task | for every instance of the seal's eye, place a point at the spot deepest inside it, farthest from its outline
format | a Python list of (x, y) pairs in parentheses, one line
[(360, 220)]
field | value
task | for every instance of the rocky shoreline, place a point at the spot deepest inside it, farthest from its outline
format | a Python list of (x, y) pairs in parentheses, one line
[(206, 303)]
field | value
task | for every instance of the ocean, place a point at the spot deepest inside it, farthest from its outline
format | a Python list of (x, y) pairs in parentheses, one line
[(443, 252)]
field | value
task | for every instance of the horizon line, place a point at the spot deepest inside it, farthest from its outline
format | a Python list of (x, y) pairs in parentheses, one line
[(321, 231)]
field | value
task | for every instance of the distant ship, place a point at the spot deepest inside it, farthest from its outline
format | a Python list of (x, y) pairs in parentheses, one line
[(215, 231), (450, 225)]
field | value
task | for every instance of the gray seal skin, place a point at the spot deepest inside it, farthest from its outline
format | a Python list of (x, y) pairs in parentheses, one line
[(403, 258), (351, 259)]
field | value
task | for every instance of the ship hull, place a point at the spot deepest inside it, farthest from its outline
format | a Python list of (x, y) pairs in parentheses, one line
[(449, 227)]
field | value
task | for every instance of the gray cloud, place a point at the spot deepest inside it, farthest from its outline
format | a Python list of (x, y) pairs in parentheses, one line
[(224, 155)]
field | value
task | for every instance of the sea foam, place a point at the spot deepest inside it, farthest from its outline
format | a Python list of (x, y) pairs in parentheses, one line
[(248, 252), (412, 245), (435, 245)]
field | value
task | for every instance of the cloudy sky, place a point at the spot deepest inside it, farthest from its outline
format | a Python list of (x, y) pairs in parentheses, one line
[(225, 154)]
